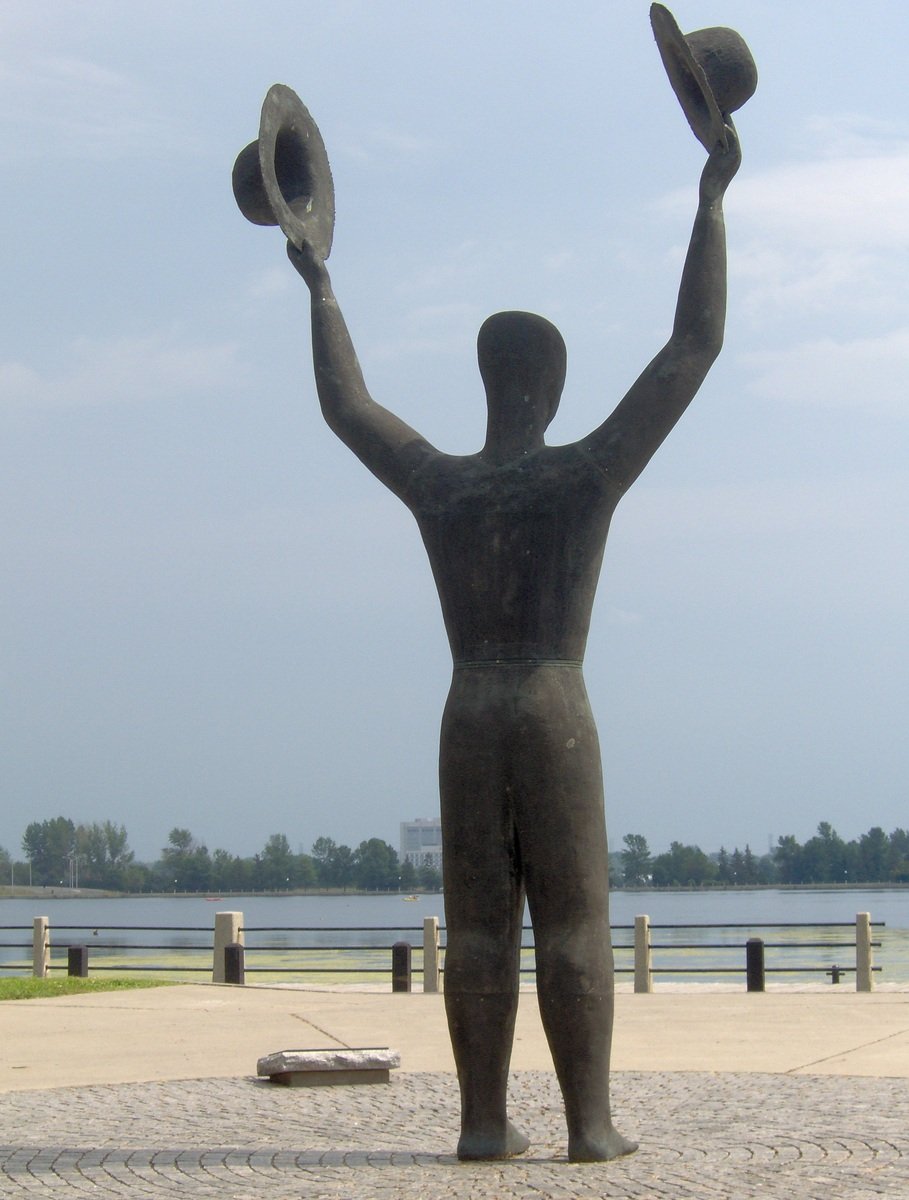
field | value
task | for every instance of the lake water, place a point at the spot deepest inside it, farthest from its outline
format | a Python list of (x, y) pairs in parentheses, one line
[(92, 921)]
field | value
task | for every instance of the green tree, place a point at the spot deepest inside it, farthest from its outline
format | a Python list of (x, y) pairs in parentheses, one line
[(179, 841), (615, 868), (873, 857), (683, 866), (323, 852), (278, 864), (787, 858), (138, 877), (723, 869), (376, 866), (343, 866), (104, 854), (824, 857), (8, 873), (636, 861), (49, 846), (899, 856), (231, 873), (742, 867), (736, 867), (185, 864), (304, 872), (335, 864), (766, 869), (750, 869), (430, 878)]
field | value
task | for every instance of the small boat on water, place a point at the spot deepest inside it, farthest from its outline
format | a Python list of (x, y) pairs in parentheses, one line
[(410, 897)]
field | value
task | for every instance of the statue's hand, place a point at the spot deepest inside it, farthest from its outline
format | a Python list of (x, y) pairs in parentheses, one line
[(308, 264), (721, 166)]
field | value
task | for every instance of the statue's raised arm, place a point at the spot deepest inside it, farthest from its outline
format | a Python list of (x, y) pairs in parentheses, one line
[(382, 441), (283, 178), (625, 442), (713, 74)]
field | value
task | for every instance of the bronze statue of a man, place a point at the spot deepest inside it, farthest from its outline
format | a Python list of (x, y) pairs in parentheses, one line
[(515, 536)]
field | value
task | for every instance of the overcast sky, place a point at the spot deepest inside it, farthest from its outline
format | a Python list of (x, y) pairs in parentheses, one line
[(214, 617)]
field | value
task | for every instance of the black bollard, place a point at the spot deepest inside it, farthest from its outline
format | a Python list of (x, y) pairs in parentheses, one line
[(754, 964), (77, 962), (400, 967), (234, 963)]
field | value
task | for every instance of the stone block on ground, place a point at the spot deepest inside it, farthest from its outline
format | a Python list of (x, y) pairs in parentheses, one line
[(329, 1068)]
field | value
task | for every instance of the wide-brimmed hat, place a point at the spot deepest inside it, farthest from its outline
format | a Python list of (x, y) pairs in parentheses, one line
[(283, 178), (711, 71)]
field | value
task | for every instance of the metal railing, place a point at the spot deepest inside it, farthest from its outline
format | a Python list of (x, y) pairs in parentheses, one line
[(754, 963), (316, 952), (369, 952)]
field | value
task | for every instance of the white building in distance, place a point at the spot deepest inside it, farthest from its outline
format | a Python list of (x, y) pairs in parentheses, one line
[(421, 842)]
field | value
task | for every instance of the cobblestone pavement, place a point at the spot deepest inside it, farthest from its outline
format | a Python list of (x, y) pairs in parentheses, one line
[(708, 1136)]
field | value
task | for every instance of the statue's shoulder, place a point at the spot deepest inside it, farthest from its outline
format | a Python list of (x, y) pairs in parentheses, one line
[(432, 477)]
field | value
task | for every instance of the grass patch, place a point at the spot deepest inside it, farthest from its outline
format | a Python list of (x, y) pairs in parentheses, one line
[(34, 989)]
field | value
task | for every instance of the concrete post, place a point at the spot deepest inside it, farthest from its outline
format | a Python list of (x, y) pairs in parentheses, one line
[(430, 954), (643, 965), (864, 975), (41, 947), (228, 929)]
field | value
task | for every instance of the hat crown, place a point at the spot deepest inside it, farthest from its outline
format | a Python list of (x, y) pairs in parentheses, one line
[(726, 61)]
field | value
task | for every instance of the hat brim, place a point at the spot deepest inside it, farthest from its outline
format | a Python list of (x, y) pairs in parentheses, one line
[(688, 80), (295, 171)]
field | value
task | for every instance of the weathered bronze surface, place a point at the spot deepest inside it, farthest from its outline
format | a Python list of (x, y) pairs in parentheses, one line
[(515, 536)]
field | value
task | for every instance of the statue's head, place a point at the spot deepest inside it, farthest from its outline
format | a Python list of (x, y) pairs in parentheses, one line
[(522, 356)]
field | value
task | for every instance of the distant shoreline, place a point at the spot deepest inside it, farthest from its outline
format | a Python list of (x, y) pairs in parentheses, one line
[(709, 888), (24, 892), (20, 892)]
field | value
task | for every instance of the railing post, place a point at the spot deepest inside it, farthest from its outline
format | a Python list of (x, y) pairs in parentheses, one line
[(234, 963), (77, 962), (400, 967), (754, 964), (228, 928), (643, 965), (40, 947), (864, 974), (430, 954)]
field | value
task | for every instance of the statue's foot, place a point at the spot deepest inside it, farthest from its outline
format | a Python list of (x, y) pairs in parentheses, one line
[(599, 1149), (479, 1146)]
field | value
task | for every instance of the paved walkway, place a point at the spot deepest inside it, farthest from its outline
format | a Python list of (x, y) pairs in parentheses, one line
[(702, 1135), (798, 1097)]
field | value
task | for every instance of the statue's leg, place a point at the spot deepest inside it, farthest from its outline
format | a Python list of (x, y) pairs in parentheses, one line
[(562, 830), (484, 904)]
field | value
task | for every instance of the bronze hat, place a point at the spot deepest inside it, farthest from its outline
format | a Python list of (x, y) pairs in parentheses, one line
[(711, 71), (283, 178)]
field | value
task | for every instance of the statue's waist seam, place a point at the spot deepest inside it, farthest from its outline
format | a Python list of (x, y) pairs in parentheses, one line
[(470, 664)]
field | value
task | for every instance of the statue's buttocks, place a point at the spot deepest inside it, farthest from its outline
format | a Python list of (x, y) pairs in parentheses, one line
[(515, 550)]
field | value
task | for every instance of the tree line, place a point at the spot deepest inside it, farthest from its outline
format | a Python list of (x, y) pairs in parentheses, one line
[(58, 852), (874, 857)]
